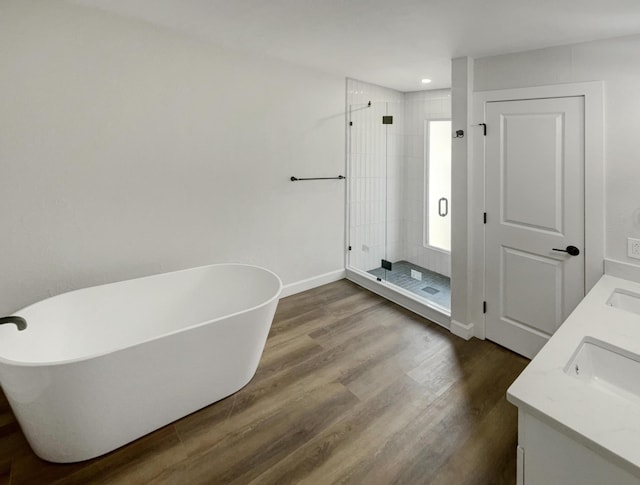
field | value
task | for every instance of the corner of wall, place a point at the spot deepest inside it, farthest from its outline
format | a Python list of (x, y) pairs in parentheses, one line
[(313, 282), (461, 265), (463, 330)]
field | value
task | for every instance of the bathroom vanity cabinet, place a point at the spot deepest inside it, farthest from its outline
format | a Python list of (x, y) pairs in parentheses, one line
[(579, 399), (548, 456)]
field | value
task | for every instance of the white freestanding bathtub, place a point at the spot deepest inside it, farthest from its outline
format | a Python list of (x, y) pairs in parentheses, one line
[(99, 367)]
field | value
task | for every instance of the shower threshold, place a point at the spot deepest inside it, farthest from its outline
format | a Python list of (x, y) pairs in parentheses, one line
[(429, 285)]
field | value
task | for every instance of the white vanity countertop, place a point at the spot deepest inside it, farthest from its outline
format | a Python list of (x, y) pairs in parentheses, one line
[(604, 422)]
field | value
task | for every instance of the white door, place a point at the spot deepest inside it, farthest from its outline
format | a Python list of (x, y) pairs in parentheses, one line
[(535, 207)]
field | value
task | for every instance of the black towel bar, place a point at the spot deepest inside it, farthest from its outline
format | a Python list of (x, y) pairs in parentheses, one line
[(339, 177)]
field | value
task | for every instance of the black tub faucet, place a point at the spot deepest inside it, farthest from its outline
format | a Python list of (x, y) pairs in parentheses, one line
[(20, 322)]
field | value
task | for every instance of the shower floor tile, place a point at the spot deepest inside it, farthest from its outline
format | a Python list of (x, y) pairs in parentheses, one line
[(433, 286)]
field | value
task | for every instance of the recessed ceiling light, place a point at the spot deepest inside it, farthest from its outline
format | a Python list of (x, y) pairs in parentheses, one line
[(426, 81)]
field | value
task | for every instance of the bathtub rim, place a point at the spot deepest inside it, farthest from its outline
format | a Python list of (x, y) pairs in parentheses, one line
[(276, 296)]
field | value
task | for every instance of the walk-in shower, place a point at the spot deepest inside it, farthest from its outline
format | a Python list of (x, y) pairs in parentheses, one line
[(399, 193)]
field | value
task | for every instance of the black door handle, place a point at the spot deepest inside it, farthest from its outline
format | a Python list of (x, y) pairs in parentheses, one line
[(572, 250)]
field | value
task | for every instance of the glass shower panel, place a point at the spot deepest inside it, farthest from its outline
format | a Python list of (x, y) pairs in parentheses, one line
[(367, 180)]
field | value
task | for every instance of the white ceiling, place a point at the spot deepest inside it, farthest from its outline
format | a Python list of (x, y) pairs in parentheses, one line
[(392, 43)]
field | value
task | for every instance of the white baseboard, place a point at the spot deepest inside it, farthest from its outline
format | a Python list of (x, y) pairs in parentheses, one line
[(313, 282), (462, 330)]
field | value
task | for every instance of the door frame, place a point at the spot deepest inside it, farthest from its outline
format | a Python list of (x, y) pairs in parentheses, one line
[(593, 93)]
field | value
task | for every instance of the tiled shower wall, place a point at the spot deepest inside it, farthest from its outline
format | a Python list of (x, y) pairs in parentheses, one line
[(375, 175), (386, 175), (421, 106)]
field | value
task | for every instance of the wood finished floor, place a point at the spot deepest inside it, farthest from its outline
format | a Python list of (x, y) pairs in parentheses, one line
[(351, 389)]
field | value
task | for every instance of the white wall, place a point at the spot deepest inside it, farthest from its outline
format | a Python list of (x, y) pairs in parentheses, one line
[(614, 61), (127, 150)]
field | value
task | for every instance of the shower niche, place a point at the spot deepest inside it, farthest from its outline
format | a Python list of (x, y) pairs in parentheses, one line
[(399, 195)]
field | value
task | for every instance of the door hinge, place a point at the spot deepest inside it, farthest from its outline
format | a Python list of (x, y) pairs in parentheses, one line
[(484, 307), (484, 218)]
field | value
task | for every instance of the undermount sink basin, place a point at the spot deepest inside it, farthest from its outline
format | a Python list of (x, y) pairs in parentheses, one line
[(607, 368), (625, 300)]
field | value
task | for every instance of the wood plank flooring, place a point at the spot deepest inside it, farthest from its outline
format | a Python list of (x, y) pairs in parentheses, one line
[(351, 389)]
